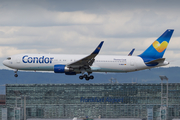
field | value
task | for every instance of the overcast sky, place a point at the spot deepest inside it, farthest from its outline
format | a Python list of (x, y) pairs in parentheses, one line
[(78, 26)]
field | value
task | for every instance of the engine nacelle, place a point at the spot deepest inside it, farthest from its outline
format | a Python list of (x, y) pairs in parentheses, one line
[(64, 69)]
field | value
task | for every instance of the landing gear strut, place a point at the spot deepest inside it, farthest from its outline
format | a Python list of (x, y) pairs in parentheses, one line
[(15, 75), (87, 77)]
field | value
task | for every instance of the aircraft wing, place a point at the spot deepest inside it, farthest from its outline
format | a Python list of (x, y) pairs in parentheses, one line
[(88, 60)]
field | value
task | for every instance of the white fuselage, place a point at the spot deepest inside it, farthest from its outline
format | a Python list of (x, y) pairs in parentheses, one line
[(102, 63)]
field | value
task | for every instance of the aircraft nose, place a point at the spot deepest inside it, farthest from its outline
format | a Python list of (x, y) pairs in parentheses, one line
[(5, 62)]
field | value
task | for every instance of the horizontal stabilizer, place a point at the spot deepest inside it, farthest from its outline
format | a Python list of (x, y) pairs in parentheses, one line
[(157, 61)]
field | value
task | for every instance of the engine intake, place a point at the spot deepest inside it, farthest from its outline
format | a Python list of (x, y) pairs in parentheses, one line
[(64, 69)]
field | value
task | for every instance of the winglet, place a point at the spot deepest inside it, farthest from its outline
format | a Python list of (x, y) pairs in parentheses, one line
[(130, 54), (96, 51)]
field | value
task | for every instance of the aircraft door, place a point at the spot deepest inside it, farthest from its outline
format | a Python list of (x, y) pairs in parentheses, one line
[(132, 62), (18, 59)]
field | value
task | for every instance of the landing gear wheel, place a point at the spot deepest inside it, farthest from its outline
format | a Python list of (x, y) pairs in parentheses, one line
[(91, 77), (81, 77), (16, 75), (87, 78)]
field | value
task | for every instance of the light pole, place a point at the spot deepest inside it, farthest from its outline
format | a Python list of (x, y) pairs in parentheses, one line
[(24, 107), (111, 80), (17, 109), (164, 98)]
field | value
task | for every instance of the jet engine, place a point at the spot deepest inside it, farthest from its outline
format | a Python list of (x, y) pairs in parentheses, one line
[(64, 69)]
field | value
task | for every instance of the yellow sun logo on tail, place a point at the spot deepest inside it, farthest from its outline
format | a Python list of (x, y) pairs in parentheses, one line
[(160, 47)]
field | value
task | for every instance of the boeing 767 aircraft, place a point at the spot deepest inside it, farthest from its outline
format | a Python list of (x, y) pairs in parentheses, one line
[(82, 64)]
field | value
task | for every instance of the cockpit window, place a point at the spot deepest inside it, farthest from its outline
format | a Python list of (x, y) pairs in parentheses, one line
[(9, 58)]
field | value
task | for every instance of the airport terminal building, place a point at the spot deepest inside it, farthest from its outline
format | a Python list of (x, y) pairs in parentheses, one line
[(52, 101)]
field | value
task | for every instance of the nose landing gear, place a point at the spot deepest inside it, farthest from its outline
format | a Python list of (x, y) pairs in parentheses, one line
[(16, 75)]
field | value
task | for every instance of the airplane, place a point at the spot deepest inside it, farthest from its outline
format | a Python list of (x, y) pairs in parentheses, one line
[(72, 64)]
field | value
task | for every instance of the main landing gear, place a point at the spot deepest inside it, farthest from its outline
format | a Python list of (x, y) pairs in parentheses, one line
[(87, 77), (15, 75)]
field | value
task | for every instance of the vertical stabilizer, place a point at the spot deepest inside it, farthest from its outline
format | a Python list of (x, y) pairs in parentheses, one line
[(158, 47)]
